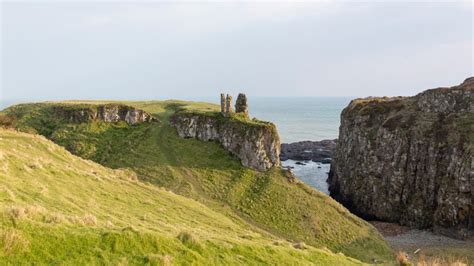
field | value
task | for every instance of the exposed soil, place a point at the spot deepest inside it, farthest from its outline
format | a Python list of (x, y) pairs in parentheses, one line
[(416, 242)]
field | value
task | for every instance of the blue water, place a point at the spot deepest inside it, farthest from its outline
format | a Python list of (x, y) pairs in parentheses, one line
[(312, 173), (298, 119)]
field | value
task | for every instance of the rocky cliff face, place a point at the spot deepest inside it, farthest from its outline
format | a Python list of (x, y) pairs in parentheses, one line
[(409, 160), (106, 113), (255, 143)]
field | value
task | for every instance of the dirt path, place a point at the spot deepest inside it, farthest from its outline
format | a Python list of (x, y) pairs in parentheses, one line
[(420, 242)]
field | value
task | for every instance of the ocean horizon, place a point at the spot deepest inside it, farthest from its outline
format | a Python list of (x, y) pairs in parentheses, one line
[(298, 118)]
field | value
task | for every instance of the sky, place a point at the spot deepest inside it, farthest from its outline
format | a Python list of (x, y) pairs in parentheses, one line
[(190, 50)]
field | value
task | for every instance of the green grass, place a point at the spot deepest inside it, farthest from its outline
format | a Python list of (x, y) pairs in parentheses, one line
[(56, 208), (206, 173)]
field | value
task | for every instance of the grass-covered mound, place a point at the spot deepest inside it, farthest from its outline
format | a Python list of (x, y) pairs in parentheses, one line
[(205, 172)]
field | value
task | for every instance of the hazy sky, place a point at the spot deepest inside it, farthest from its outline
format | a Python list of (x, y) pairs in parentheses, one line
[(155, 50)]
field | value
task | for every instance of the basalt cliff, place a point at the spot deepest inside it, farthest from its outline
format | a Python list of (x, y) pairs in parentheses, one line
[(105, 112), (255, 143), (409, 159)]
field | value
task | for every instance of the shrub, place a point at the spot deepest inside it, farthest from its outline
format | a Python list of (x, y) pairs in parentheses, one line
[(6, 120)]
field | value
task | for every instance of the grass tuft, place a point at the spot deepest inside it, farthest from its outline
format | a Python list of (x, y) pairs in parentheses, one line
[(403, 259), (12, 241), (158, 260), (189, 240)]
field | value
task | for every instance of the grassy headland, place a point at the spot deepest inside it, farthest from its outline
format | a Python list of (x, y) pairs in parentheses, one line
[(270, 201)]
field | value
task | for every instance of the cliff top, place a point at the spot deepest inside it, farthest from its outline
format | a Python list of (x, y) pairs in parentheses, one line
[(232, 117), (441, 100)]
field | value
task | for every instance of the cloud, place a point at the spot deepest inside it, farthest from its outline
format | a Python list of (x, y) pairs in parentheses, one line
[(171, 49)]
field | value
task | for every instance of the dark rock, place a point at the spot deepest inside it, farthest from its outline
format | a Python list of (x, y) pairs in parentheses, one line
[(409, 159), (326, 161), (316, 151), (300, 163)]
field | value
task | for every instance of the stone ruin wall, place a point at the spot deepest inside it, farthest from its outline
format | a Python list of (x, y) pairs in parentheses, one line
[(241, 105)]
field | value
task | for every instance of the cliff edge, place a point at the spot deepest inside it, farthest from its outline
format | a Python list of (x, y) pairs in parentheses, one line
[(255, 143), (103, 112), (409, 159)]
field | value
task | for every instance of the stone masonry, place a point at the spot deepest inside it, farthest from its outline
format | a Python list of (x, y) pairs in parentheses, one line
[(223, 103), (241, 105)]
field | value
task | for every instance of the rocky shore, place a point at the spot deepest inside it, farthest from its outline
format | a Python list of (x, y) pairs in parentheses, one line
[(316, 151)]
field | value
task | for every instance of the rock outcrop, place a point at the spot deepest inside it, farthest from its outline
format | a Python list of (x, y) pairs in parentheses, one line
[(316, 151), (107, 113), (255, 143), (409, 160)]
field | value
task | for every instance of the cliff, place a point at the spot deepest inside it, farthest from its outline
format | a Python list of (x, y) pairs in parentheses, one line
[(409, 159), (105, 112), (255, 143)]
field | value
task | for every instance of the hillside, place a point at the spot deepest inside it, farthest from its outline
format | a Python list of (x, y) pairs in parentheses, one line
[(273, 201), (58, 208)]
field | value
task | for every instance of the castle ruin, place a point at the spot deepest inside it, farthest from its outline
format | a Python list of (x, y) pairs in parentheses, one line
[(241, 105)]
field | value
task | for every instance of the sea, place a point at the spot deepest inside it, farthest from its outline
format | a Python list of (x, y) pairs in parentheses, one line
[(301, 118), (297, 119)]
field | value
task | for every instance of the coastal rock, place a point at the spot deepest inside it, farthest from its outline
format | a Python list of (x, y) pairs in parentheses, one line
[(409, 159), (317, 151), (107, 112), (255, 143)]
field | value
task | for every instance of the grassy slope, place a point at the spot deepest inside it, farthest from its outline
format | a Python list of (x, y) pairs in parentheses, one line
[(58, 208), (205, 172)]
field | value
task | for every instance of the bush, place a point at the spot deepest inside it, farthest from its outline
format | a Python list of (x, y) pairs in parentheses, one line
[(6, 121)]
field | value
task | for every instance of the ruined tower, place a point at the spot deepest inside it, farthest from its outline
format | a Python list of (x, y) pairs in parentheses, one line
[(241, 105), (223, 104), (228, 104)]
